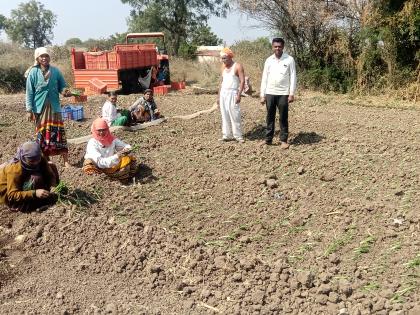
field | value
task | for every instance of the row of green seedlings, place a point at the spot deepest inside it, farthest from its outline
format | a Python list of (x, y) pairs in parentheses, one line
[(62, 192)]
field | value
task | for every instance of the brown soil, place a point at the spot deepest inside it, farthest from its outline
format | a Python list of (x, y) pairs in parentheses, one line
[(330, 226)]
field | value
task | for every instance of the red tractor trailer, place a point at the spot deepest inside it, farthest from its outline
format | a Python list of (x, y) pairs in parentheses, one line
[(129, 67)]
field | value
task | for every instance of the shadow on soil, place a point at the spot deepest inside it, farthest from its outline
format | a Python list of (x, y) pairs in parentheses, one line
[(256, 133), (144, 174), (306, 138)]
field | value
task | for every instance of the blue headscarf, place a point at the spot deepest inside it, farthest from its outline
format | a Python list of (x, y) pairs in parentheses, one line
[(28, 151)]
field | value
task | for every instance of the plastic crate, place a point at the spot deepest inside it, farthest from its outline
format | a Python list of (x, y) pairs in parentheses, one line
[(72, 112), (78, 60), (160, 90), (178, 85), (135, 46), (66, 112), (127, 59), (112, 60), (97, 86), (96, 60), (126, 47)]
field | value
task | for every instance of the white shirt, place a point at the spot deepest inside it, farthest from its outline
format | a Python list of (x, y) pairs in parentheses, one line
[(105, 157), (109, 112), (279, 76)]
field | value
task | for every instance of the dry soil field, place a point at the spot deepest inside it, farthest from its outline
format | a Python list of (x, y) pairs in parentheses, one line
[(330, 226)]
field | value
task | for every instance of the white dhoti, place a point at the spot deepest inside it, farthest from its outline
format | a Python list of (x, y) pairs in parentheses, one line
[(231, 114)]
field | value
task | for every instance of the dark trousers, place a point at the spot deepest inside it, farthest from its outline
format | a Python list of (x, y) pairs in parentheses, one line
[(281, 102)]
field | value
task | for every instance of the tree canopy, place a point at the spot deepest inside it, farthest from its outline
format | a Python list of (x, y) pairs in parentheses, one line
[(74, 41), (176, 18), (2, 22), (366, 44), (31, 25), (204, 36)]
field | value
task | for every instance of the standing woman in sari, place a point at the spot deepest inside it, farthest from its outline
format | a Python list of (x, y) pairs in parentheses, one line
[(44, 83)]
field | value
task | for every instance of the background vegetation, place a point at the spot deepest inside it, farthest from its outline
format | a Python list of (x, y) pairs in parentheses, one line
[(363, 46)]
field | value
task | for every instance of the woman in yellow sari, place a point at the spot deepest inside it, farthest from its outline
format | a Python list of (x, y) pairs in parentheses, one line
[(108, 154)]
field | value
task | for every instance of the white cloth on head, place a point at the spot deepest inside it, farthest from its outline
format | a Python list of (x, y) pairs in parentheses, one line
[(40, 51), (105, 157)]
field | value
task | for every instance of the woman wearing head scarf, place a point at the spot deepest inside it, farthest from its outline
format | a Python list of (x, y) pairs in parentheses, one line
[(44, 83), (107, 154), (26, 181)]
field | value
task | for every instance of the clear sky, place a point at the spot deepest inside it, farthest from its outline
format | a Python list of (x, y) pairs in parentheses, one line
[(101, 18)]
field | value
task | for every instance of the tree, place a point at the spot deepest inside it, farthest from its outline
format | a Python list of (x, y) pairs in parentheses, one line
[(31, 25), (391, 51), (204, 36), (304, 24), (2, 22), (199, 36), (105, 43), (74, 41), (340, 44), (174, 17)]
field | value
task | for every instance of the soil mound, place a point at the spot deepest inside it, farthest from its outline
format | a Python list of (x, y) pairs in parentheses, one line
[(330, 226)]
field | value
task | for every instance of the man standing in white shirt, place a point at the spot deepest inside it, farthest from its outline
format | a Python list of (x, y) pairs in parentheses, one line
[(278, 85)]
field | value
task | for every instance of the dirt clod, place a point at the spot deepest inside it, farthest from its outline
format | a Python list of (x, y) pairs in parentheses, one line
[(271, 183)]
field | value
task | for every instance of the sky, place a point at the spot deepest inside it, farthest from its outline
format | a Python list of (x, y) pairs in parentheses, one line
[(101, 18)]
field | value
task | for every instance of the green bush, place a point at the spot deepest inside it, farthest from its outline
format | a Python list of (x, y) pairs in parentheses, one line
[(13, 63), (329, 78), (186, 50), (12, 79)]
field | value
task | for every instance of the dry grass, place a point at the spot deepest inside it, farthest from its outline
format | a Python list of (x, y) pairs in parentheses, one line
[(13, 56), (193, 72), (208, 74), (385, 100)]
